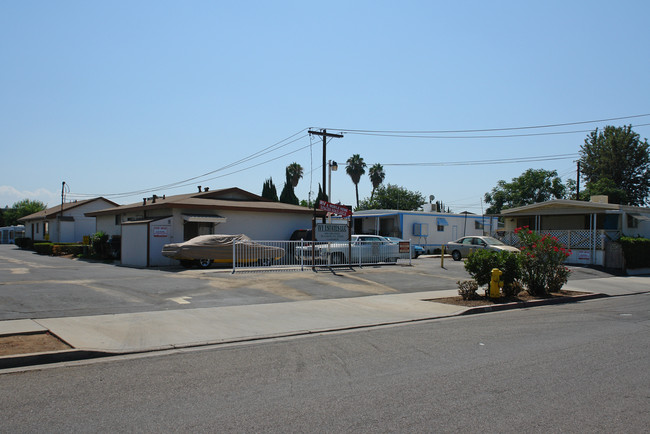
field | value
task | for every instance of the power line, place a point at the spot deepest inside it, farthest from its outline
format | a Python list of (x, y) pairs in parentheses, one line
[(347, 130), (388, 133), (183, 183), (492, 136), (487, 162)]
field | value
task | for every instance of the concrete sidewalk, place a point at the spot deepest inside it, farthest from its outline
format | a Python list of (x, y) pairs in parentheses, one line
[(93, 336), (149, 331)]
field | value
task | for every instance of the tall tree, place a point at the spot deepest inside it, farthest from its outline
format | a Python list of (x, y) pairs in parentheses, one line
[(618, 154), (294, 171), (269, 191), (288, 195), (533, 186), (377, 176), (21, 209), (356, 168), (393, 197), (604, 187), (321, 196)]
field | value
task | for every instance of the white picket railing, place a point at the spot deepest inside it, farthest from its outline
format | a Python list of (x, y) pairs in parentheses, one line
[(301, 254), (572, 239)]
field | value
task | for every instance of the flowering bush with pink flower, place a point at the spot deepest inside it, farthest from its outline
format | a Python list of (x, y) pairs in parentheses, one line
[(542, 262)]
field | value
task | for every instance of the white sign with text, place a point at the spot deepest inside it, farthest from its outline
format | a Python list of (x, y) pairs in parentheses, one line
[(331, 232)]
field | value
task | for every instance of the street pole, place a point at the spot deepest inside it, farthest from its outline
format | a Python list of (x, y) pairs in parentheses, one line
[(325, 135), (578, 182), (61, 211)]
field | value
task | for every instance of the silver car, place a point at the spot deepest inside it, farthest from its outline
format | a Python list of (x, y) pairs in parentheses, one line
[(460, 248)]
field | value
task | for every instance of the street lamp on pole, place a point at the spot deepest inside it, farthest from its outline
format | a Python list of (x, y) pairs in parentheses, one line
[(332, 166)]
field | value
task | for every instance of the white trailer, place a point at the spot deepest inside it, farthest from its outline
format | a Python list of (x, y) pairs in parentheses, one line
[(428, 229)]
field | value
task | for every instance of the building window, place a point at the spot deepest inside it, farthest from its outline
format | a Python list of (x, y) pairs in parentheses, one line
[(38, 227), (632, 223), (441, 228), (46, 228), (478, 224), (118, 219)]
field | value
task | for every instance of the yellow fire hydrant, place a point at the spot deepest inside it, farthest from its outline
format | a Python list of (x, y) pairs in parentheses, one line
[(496, 283)]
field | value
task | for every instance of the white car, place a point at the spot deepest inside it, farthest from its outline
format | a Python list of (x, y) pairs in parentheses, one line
[(362, 249)]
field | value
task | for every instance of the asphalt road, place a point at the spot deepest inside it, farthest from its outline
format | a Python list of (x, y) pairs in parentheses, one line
[(579, 367), (35, 286)]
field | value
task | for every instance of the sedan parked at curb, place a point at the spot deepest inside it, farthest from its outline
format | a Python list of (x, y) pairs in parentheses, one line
[(462, 247)]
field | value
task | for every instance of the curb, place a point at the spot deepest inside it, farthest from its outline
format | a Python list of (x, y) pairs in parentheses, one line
[(32, 359), (534, 303)]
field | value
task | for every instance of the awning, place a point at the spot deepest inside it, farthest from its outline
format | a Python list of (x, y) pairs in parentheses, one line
[(442, 221), (204, 218), (641, 217)]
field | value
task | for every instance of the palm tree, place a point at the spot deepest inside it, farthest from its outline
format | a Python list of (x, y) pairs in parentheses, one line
[(356, 168), (377, 176), (294, 173)]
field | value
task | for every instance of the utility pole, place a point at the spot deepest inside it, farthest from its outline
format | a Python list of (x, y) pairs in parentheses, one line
[(578, 182), (325, 135), (61, 211)]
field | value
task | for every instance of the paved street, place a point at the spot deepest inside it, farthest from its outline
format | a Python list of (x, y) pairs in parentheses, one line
[(569, 368)]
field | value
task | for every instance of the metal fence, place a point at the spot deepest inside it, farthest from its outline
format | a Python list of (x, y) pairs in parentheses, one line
[(572, 239), (302, 254)]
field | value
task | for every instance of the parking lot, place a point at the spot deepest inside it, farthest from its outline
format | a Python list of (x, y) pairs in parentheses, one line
[(35, 286)]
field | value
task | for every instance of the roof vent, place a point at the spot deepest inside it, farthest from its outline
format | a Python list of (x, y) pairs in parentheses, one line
[(599, 199), (199, 188), (153, 198), (206, 188)]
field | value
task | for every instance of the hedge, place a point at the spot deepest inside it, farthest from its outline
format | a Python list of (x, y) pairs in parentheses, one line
[(636, 252), (24, 243), (43, 248), (68, 249), (58, 249)]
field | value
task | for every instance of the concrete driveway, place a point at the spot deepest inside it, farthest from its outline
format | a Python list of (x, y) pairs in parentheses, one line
[(35, 286)]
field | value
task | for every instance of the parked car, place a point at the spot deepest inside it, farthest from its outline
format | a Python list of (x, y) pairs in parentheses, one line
[(206, 249), (301, 234), (417, 250), (460, 248), (363, 249)]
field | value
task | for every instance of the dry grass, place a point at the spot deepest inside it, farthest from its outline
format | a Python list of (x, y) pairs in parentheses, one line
[(30, 343)]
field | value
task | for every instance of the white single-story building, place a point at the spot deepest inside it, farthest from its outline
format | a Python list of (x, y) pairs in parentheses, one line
[(587, 228), (146, 226), (65, 223), (430, 230)]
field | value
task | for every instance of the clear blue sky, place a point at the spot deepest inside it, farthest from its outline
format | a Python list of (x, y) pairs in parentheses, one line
[(115, 97)]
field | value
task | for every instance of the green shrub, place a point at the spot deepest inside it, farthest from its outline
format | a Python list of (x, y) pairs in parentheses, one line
[(480, 263), (43, 248), (467, 290), (636, 252), (99, 246)]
